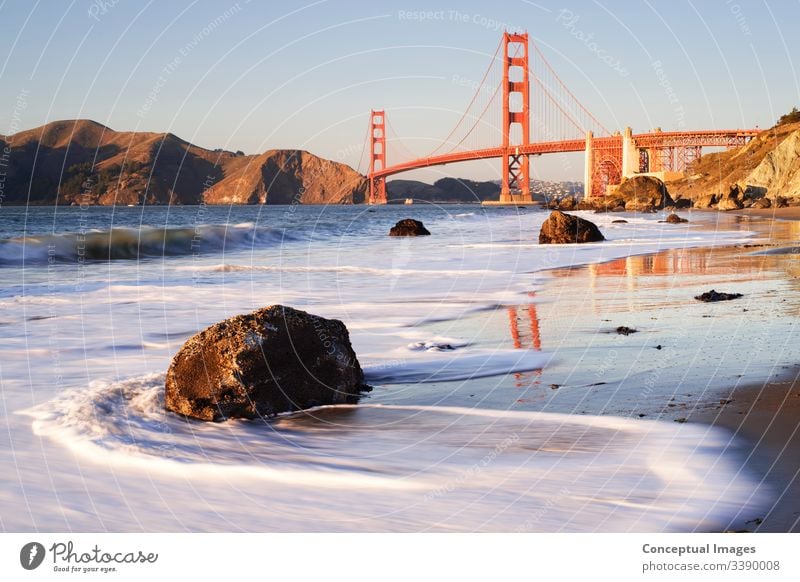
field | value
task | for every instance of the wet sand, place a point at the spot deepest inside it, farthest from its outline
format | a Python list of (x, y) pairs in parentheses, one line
[(767, 417), (731, 364), (789, 213)]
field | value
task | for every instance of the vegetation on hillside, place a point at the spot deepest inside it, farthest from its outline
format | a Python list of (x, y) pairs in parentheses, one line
[(792, 117)]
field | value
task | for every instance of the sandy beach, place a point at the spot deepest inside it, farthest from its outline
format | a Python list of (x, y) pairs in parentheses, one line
[(767, 415), (715, 367)]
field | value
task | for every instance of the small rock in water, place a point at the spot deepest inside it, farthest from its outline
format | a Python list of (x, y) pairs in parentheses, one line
[(681, 420), (619, 221), (555, 386), (712, 296), (431, 347), (625, 330), (675, 219), (409, 227), (560, 228)]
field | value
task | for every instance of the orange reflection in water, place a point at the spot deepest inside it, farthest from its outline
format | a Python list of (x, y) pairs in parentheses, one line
[(679, 262), (528, 338)]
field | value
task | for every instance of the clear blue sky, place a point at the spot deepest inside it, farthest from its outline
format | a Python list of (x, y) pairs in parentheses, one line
[(300, 74)]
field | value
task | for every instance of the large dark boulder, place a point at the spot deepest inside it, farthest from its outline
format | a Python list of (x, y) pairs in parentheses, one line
[(643, 193), (274, 360), (560, 228), (408, 227)]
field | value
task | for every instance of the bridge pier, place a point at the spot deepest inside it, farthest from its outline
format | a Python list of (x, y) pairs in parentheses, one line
[(588, 169), (630, 154)]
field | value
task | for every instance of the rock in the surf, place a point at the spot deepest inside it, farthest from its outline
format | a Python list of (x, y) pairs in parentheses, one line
[(276, 359), (408, 227), (713, 296), (675, 219), (560, 228)]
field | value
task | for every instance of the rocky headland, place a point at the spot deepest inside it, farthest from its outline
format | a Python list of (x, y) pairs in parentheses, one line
[(80, 162)]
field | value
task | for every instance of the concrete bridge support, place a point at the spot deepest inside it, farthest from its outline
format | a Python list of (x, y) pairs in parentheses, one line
[(630, 154), (588, 170)]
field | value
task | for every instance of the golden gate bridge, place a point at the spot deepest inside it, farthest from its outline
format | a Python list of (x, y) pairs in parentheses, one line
[(506, 120)]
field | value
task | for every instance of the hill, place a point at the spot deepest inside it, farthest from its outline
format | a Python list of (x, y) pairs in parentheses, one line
[(84, 162), (768, 166)]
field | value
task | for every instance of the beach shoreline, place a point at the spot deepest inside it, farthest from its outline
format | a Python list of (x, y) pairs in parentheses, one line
[(761, 412), (767, 416)]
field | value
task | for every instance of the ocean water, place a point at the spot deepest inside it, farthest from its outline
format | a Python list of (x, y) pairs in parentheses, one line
[(94, 302)]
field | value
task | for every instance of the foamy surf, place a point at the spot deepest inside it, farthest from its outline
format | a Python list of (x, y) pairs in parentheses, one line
[(420, 467)]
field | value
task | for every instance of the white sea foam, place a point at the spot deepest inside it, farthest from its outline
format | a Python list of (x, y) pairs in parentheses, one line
[(419, 467)]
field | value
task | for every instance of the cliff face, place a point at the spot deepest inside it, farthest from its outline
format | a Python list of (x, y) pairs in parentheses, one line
[(779, 171), (83, 162), (767, 166), (287, 177)]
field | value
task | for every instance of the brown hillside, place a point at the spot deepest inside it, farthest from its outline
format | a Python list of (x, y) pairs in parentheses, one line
[(287, 177), (715, 173), (84, 162)]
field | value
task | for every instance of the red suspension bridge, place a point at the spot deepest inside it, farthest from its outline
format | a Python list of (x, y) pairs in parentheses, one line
[(506, 119)]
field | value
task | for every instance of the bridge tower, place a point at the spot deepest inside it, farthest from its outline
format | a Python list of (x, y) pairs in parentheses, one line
[(377, 157), (516, 118)]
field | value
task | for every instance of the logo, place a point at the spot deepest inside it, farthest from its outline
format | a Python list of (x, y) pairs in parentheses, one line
[(31, 555)]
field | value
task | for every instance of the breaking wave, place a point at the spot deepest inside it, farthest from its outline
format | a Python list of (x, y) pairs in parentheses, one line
[(137, 243)]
